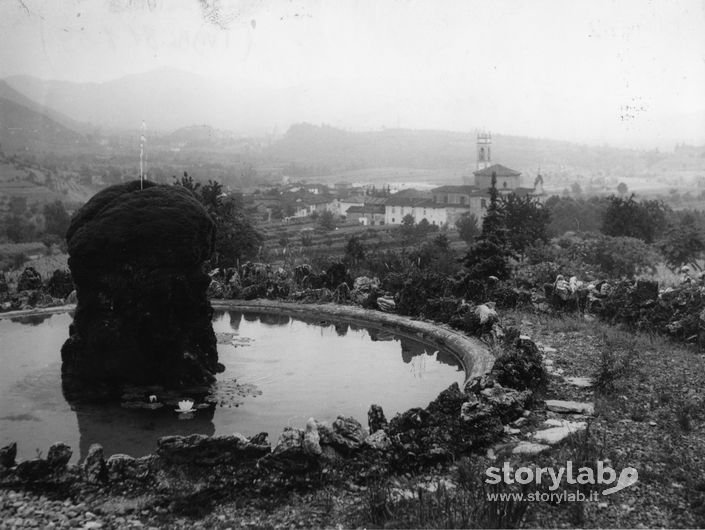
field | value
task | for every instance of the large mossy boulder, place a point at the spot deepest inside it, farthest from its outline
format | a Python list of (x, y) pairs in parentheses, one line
[(136, 258)]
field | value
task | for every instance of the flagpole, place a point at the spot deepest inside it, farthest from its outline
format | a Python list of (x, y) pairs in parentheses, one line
[(143, 139)]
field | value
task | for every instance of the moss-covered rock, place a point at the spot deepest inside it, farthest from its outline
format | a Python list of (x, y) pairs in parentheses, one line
[(142, 316)]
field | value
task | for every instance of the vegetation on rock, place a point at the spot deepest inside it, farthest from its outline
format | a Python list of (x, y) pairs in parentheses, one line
[(136, 255)]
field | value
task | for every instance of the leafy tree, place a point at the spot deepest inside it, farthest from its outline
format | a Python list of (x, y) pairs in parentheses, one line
[(289, 209), (56, 218), (211, 195), (236, 238), (442, 242), (18, 229), (327, 220), (435, 255), (574, 214), (576, 188), (468, 227), (354, 250), (17, 205), (489, 255), (407, 227), (187, 182), (423, 228), (622, 188), (277, 212), (620, 256), (683, 243), (628, 218), (525, 221)]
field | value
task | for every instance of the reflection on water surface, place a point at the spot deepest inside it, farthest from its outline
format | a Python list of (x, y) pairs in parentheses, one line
[(279, 371)]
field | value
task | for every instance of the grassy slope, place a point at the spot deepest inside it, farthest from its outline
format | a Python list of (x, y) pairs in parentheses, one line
[(648, 415)]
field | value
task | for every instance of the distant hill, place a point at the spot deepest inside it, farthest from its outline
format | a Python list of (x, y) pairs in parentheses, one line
[(337, 150), (7, 92), (171, 101), (165, 99), (22, 127)]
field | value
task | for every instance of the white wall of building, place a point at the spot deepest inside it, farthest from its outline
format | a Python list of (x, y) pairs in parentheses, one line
[(435, 215)]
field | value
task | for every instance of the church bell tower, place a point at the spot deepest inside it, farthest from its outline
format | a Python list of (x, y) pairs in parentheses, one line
[(484, 154)]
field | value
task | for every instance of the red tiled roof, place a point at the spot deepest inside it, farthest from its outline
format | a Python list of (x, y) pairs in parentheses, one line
[(461, 190), (316, 199), (404, 201), (499, 169), (455, 189), (375, 200)]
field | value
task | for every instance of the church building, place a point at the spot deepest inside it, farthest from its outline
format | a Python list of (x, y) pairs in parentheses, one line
[(449, 203), (474, 195)]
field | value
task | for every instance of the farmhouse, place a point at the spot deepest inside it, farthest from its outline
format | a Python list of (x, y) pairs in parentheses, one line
[(397, 208), (367, 214), (305, 207)]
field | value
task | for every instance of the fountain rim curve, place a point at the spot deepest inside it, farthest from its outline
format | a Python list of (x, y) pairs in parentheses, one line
[(472, 354)]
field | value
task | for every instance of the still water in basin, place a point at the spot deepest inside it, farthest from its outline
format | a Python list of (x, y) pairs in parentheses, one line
[(279, 372)]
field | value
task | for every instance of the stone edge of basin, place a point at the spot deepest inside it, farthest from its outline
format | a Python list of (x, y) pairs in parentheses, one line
[(473, 354), (38, 311)]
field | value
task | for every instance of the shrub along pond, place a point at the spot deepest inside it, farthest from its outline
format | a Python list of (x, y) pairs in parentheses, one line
[(280, 371)]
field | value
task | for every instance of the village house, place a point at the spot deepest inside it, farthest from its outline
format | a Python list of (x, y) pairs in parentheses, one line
[(419, 208), (367, 214), (340, 205), (309, 205)]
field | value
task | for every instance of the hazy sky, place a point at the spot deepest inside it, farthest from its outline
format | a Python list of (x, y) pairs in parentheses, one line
[(627, 72)]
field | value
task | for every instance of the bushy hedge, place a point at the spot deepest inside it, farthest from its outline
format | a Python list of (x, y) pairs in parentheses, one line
[(589, 257), (677, 312)]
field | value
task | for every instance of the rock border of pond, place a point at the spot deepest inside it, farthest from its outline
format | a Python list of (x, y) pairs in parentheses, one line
[(473, 354), (458, 422)]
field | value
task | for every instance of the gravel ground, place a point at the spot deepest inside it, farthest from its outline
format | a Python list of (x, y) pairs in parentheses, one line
[(320, 509), (19, 509), (651, 417)]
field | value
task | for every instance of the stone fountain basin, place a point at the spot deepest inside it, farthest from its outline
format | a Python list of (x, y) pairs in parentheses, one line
[(471, 353)]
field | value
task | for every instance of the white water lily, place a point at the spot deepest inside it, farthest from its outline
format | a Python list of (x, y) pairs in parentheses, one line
[(185, 405)]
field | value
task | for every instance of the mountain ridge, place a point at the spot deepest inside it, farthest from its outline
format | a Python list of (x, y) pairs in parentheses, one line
[(22, 127)]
